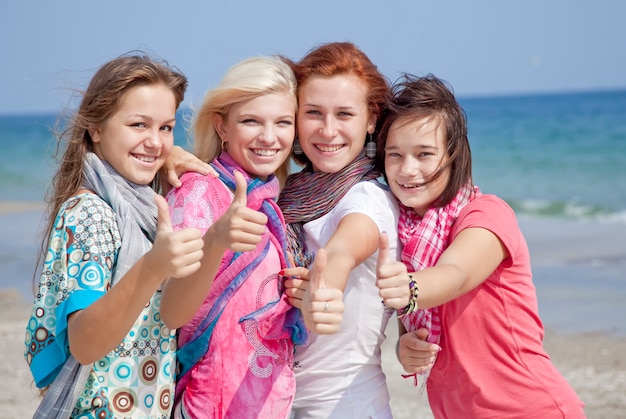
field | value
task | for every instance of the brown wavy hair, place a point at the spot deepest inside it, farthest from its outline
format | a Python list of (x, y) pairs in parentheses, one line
[(101, 99)]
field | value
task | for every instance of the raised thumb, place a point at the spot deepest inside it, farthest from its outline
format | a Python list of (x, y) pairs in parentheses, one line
[(319, 265), (383, 249), (241, 187), (164, 222)]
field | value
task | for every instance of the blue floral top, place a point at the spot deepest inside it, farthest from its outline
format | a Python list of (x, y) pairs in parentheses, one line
[(136, 379)]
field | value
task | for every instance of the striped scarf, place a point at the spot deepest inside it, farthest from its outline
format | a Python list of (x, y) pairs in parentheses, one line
[(309, 195), (423, 241)]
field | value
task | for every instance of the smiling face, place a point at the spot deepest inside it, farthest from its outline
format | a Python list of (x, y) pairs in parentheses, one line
[(259, 132), (414, 151), (333, 120), (137, 138)]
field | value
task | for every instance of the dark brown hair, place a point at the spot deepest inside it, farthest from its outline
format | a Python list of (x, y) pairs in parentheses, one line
[(420, 98)]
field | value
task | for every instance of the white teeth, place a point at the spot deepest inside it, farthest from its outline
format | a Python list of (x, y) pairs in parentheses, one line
[(329, 149), (146, 159), (265, 152), (410, 186)]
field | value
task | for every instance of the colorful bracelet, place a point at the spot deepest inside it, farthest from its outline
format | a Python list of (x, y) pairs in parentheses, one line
[(412, 306)]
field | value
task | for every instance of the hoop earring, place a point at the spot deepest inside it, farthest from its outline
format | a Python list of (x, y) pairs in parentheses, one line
[(370, 147), (224, 145), (297, 148)]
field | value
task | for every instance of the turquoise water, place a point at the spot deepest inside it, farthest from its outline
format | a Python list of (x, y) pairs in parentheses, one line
[(547, 155), (552, 157)]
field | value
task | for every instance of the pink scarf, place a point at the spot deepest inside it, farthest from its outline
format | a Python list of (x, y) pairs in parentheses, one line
[(423, 241)]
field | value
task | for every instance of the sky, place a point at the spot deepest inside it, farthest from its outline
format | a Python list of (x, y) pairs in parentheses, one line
[(50, 49)]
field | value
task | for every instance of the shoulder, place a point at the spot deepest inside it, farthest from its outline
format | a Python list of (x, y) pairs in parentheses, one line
[(488, 208), (199, 201), (86, 207), (371, 190), (373, 199), (494, 214), (196, 184), (88, 217)]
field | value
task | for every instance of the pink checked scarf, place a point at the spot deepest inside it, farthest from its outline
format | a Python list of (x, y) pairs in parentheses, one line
[(423, 241)]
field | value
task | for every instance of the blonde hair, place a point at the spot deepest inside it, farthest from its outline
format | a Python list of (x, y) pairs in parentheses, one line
[(248, 79)]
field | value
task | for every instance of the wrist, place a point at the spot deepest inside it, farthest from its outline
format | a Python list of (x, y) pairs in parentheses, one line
[(412, 306)]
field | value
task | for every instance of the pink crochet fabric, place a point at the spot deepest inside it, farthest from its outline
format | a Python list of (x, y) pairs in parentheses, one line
[(245, 369)]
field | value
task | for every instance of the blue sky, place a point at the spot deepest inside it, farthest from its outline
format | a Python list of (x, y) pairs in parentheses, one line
[(482, 47)]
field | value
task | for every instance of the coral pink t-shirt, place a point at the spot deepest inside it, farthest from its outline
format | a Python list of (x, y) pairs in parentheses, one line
[(492, 363)]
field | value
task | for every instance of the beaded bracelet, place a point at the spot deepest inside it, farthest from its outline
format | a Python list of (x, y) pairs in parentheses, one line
[(412, 306)]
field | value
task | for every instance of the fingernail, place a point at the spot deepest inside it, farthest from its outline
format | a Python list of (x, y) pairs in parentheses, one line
[(281, 272)]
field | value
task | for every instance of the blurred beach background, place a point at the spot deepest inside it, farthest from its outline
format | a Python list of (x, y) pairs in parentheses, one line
[(543, 85), (559, 160)]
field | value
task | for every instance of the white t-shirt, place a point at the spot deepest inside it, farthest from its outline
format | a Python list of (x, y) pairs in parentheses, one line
[(340, 375)]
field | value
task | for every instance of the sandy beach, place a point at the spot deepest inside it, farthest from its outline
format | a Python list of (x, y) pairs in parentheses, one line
[(585, 326)]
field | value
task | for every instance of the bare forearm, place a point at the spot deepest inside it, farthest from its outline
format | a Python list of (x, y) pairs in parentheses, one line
[(182, 297), (438, 285), (338, 268)]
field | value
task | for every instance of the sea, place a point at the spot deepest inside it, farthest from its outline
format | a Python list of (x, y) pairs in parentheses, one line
[(550, 155), (558, 156)]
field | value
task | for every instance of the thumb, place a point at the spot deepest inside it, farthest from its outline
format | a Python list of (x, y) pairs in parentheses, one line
[(383, 249), (319, 264), (422, 334), (241, 187), (164, 222)]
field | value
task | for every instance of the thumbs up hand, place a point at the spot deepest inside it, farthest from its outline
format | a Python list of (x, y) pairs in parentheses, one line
[(174, 253), (240, 228), (392, 278), (322, 306), (415, 353)]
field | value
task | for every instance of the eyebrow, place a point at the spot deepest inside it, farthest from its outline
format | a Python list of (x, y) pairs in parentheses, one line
[(149, 118), (341, 108), (422, 146), (252, 115)]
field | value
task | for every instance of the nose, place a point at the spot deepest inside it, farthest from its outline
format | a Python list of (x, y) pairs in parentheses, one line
[(154, 138), (328, 128), (409, 166), (268, 135)]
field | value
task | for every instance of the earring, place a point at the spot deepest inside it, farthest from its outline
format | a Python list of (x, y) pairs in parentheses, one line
[(224, 145), (297, 148), (370, 147)]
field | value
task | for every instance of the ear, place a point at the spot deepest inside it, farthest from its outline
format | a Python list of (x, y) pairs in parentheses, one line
[(218, 123), (94, 134), (371, 125)]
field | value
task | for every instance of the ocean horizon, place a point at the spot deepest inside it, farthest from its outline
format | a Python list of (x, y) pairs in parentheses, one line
[(560, 155), (558, 159)]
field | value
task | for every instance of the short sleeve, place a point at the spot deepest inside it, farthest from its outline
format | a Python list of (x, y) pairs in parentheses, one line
[(372, 199), (493, 214), (77, 270)]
